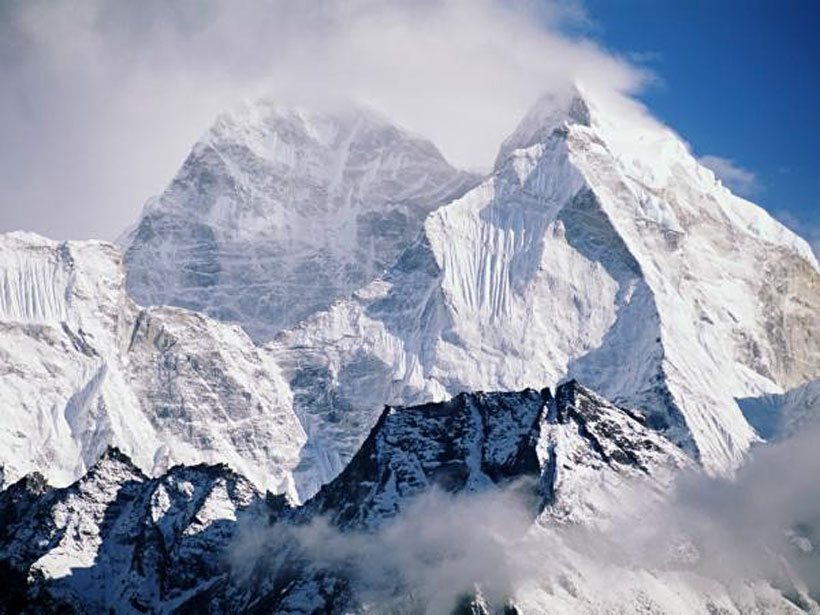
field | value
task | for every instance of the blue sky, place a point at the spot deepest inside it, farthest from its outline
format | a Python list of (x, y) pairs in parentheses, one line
[(739, 80)]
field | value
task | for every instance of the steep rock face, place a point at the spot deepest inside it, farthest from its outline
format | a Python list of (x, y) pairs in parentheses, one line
[(203, 539), (277, 212), (598, 249), (83, 367), (565, 449)]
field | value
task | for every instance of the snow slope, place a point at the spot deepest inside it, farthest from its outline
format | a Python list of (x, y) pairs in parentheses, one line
[(598, 249), (83, 367), (278, 211)]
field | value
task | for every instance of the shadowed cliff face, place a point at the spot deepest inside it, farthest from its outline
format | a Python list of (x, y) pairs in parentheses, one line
[(480, 441)]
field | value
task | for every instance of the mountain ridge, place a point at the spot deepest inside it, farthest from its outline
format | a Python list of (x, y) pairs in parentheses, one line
[(279, 210), (594, 251), (203, 538)]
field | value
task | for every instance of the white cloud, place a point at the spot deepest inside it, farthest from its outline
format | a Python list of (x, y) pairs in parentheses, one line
[(102, 99), (739, 180)]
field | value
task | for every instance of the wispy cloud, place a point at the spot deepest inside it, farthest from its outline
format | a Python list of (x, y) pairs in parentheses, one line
[(759, 524), (645, 57), (101, 100), (739, 180)]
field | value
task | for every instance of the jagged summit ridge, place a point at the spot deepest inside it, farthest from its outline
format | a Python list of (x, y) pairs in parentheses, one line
[(554, 110), (116, 539), (565, 445), (179, 543), (278, 211)]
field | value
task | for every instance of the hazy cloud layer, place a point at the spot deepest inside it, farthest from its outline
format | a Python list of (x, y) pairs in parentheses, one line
[(102, 99), (741, 181)]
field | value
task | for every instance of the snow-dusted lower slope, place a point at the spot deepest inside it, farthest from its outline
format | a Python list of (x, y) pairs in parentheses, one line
[(524, 475), (598, 249), (83, 367), (279, 211)]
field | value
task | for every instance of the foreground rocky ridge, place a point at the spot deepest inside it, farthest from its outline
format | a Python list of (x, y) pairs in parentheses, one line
[(203, 539)]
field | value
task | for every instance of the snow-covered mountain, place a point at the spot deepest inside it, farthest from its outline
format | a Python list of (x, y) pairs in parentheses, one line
[(279, 211), (82, 367), (574, 446), (599, 249), (313, 439), (202, 539)]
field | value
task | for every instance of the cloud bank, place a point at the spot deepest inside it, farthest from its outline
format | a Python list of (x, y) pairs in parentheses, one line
[(101, 100)]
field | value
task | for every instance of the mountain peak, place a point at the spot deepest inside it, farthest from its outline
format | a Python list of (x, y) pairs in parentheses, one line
[(278, 211), (552, 111), (113, 465), (476, 441), (267, 123)]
